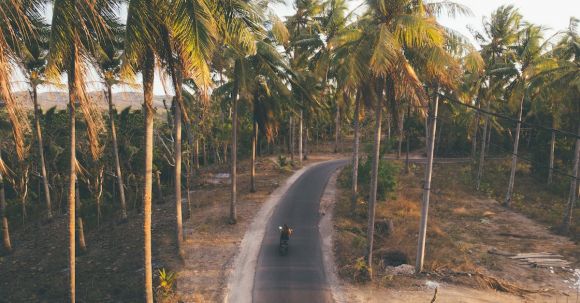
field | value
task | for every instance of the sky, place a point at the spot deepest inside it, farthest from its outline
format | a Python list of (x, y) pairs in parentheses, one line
[(553, 14)]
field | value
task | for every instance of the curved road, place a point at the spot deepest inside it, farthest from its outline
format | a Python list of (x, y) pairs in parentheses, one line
[(298, 276)]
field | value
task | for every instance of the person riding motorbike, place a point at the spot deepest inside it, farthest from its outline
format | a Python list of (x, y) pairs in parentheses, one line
[(285, 233)]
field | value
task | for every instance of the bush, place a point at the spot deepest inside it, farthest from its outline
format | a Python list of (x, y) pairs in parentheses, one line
[(386, 181), (387, 177)]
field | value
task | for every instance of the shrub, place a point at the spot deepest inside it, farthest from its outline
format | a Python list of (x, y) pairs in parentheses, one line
[(387, 177), (386, 181)]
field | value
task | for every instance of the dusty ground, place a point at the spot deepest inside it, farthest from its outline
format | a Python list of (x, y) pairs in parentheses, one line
[(463, 228), (212, 244), (110, 271)]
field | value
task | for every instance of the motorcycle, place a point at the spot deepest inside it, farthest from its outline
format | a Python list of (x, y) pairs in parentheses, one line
[(283, 247)]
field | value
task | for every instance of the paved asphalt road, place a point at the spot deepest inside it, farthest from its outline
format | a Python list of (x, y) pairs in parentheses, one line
[(298, 276)]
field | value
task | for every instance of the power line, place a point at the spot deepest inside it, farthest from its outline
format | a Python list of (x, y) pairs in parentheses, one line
[(524, 159), (563, 132)]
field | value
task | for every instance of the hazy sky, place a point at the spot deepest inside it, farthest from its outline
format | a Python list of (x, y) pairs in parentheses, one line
[(554, 14)]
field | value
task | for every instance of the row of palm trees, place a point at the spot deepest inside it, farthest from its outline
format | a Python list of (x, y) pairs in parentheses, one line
[(393, 55)]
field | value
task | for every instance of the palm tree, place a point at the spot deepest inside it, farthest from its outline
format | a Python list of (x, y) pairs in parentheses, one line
[(34, 62), (18, 22), (188, 40), (75, 27), (379, 40), (565, 76), (141, 35), (530, 58), (109, 65), (239, 25), (500, 33), (305, 47)]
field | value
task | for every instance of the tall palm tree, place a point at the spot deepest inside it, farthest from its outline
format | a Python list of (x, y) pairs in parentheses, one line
[(565, 77), (76, 27), (33, 57), (109, 65), (499, 35), (239, 26), (381, 39), (530, 59), (18, 20), (141, 35), (188, 40), (305, 47)]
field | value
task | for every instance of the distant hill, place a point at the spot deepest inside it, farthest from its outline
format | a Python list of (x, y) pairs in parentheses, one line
[(60, 100)]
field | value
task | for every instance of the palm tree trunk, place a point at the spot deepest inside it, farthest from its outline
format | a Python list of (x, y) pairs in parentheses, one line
[(552, 150), (148, 78), (300, 138), (291, 139), (5, 229), (158, 185), (204, 153), (482, 151), (253, 169), (336, 128), (488, 145), (119, 175), (389, 123), (407, 136), (177, 178), (400, 135), (474, 135), (41, 152), (306, 144), (374, 182), (355, 154), (234, 176), (427, 187), (177, 79), (573, 195), (71, 190), (82, 242), (508, 197), (196, 154)]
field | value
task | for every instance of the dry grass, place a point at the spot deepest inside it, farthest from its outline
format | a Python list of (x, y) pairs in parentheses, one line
[(463, 226)]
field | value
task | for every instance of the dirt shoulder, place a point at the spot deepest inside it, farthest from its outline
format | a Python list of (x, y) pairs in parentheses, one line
[(470, 239)]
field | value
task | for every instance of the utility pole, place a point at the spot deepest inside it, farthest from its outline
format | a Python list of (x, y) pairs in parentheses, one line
[(427, 186)]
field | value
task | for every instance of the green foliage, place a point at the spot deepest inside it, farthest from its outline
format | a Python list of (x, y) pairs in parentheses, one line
[(166, 281), (386, 178), (361, 271)]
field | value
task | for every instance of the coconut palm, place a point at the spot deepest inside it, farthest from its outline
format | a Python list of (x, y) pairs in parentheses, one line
[(393, 40), (188, 39), (33, 58), (303, 46), (109, 65), (76, 28), (240, 26), (565, 77), (500, 33), (141, 35), (380, 40), (18, 21), (530, 60)]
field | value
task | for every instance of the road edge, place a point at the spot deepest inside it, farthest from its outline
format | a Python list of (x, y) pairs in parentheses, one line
[(241, 277), (326, 230)]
